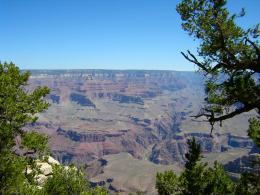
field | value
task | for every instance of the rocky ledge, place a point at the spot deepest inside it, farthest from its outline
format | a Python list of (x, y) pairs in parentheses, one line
[(43, 169)]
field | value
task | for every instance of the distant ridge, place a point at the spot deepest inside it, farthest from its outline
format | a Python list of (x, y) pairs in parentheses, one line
[(93, 71)]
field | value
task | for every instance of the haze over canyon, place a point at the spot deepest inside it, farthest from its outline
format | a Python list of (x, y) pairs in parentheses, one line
[(127, 125)]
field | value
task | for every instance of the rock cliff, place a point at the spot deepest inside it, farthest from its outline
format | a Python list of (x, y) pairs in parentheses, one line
[(147, 114)]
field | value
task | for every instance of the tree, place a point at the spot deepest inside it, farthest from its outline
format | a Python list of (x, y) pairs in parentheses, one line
[(66, 181), (197, 178), (228, 55), (254, 131), (193, 179), (248, 184), (218, 182), (70, 181), (19, 148), (194, 154), (18, 108), (167, 183)]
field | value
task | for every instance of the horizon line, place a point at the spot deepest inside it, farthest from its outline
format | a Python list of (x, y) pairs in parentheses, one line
[(101, 69)]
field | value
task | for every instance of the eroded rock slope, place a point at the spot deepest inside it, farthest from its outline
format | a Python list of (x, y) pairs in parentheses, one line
[(144, 113)]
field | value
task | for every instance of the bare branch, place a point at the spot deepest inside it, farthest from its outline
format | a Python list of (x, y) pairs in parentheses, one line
[(212, 119), (254, 45), (232, 114), (200, 115), (194, 60), (256, 66)]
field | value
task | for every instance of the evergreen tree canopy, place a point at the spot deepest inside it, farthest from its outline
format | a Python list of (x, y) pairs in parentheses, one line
[(18, 108), (70, 181), (194, 154), (228, 55)]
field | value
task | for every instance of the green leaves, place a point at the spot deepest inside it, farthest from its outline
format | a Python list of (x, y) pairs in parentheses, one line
[(70, 181), (167, 183), (218, 182), (35, 141), (249, 184), (11, 173), (66, 181), (254, 130), (18, 108), (228, 55), (194, 154)]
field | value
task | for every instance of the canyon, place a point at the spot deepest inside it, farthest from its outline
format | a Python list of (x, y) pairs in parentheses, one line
[(105, 119)]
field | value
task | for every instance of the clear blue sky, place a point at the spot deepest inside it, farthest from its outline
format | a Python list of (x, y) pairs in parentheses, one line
[(102, 34)]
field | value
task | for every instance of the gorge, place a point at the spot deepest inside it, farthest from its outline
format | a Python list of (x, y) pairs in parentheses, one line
[(105, 119)]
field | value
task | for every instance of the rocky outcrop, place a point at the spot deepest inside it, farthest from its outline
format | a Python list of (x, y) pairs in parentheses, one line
[(41, 179), (65, 157), (239, 142), (172, 150), (95, 113), (96, 167), (168, 144), (127, 99), (248, 163), (145, 113), (81, 100), (82, 137), (88, 136), (55, 98), (43, 169)]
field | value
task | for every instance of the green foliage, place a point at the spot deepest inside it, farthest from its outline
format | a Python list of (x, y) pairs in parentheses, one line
[(218, 182), (17, 108), (97, 191), (167, 183), (70, 181), (197, 178), (194, 180), (35, 141), (194, 154), (139, 193), (228, 55), (11, 172), (249, 184), (28, 189), (254, 131), (66, 181)]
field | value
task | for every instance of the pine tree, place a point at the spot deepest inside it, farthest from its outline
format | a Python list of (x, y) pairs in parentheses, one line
[(17, 109), (228, 56), (197, 178)]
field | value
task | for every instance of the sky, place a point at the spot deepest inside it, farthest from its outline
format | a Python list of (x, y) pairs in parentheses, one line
[(100, 34)]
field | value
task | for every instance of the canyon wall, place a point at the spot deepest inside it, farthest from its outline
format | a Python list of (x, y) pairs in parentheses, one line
[(144, 113)]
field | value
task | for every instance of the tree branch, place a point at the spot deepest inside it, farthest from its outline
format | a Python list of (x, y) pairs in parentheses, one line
[(256, 66), (195, 61), (254, 45), (232, 114)]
